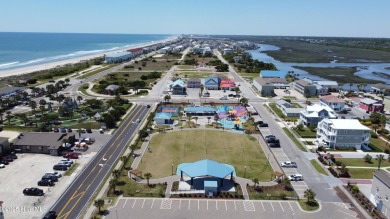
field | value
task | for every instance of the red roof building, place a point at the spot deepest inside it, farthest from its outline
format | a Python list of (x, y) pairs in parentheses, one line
[(228, 84), (136, 51)]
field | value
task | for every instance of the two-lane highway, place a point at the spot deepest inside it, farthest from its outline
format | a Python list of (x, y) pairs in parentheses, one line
[(77, 195)]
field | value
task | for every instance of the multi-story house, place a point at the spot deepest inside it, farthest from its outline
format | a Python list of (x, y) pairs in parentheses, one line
[(306, 88), (342, 133), (333, 102), (312, 115), (371, 106), (178, 87), (193, 83), (380, 191), (212, 83)]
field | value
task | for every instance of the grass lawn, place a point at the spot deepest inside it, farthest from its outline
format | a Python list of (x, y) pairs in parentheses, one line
[(83, 89), (306, 207), (296, 142), (306, 133), (195, 74), (359, 162), (277, 110), (277, 193), (93, 72), (249, 75), (318, 167), (339, 74), (379, 143), (87, 125), (360, 173), (296, 105), (159, 65), (71, 169), (189, 146), (185, 67)]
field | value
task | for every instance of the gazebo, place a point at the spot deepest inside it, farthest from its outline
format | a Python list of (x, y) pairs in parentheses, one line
[(206, 168)]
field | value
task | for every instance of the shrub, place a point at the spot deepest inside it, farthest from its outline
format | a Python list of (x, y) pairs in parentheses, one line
[(387, 151), (367, 158), (373, 134), (355, 189)]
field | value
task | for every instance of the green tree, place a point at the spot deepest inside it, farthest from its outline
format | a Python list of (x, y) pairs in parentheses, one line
[(375, 127), (256, 181), (380, 158), (307, 93), (33, 105), (309, 194), (1, 117), (113, 182), (167, 98), (79, 98), (148, 176), (367, 158), (99, 204), (244, 101), (116, 173), (9, 117)]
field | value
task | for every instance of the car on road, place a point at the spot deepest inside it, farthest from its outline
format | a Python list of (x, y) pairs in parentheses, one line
[(33, 191), (45, 182), (62, 129), (263, 125), (56, 130), (69, 130), (138, 120), (60, 167), (50, 215), (148, 106), (288, 164), (71, 156), (295, 177)]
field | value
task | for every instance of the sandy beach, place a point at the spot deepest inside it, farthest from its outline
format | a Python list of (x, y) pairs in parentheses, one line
[(34, 68)]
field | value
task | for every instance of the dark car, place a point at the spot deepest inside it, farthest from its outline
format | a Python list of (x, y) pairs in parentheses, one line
[(148, 106), (33, 192), (263, 125), (62, 130), (12, 156), (71, 156), (45, 182), (8, 159), (50, 178), (55, 130), (50, 215), (60, 167), (89, 130), (4, 162), (69, 130)]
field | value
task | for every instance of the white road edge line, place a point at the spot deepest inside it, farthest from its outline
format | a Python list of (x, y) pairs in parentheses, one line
[(180, 204), (347, 213), (207, 204), (198, 204), (189, 204), (216, 205)]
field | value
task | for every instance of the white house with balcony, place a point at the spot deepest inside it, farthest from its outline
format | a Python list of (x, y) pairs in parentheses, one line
[(333, 102), (342, 133), (312, 115)]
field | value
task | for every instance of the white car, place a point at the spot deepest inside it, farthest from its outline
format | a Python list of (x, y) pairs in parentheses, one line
[(57, 174), (67, 160), (2, 165), (295, 177), (288, 164)]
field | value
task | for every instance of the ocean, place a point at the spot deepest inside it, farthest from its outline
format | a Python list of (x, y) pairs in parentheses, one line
[(27, 49)]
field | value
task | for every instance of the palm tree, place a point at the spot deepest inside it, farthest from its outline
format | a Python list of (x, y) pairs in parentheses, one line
[(201, 89), (244, 101), (380, 158), (341, 86), (375, 127), (148, 176), (132, 148), (255, 181), (33, 105), (67, 80), (113, 182), (167, 98), (9, 117), (24, 118), (79, 98), (99, 204), (116, 173), (309, 194)]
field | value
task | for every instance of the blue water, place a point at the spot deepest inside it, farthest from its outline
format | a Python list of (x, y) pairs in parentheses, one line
[(26, 49)]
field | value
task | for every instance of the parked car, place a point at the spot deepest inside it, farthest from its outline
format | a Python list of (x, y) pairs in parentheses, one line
[(67, 160), (71, 156), (50, 215), (2, 165), (62, 129), (295, 177), (13, 155), (88, 130), (57, 174), (67, 164), (263, 125), (60, 167), (4, 162), (288, 164), (56, 130), (45, 182), (33, 191), (69, 130), (50, 178), (8, 159)]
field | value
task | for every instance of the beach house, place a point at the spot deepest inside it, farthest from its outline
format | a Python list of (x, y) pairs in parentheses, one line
[(178, 87), (228, 84), (304, 87), (193, 83), (380, 191), (371, 106), (212, 83), (118, 57), (312, 115), (333, 102), (288, 109), (342, 133)]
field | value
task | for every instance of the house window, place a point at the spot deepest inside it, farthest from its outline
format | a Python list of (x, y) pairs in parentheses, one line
[(353, 132), (345, 132), (338, 132)]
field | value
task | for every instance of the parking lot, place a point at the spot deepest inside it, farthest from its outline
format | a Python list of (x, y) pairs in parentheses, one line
[(212, 208), (28, 169), (293, 93)]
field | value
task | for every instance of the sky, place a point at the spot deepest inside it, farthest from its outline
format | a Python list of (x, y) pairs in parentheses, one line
[(348, 18)]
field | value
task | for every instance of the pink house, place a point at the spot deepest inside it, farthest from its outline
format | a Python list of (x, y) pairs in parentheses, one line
[(371, 105), (228, 84)]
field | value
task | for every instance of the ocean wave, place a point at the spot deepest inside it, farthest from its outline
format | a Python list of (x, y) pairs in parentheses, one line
[(8, 64)]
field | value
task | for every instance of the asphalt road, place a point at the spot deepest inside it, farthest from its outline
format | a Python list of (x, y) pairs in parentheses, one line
[(78, 194)]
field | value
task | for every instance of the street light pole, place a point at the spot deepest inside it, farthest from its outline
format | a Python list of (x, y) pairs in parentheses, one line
[(245, 172), (172, 169)]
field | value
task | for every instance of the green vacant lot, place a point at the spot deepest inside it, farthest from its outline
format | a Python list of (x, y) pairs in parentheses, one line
[(341, 75), (359, 162), (197, 74), (306, 133), (379, 143), (189, 146), (359, 173)]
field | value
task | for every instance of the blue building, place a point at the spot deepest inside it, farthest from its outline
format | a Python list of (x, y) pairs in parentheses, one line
[(163, 119), (272, 74), (118, 57), (212, 83), (178, 87)]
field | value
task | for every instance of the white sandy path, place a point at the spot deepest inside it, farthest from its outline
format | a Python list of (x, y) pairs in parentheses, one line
[(34, 68)]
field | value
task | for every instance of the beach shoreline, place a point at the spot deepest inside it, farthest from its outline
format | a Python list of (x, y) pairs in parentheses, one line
[(35, 68)]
